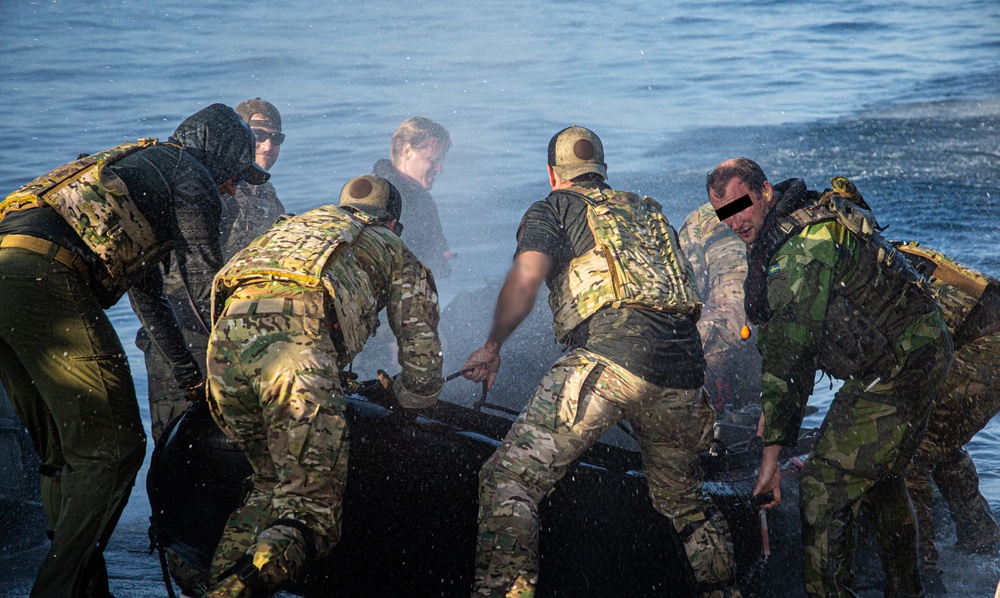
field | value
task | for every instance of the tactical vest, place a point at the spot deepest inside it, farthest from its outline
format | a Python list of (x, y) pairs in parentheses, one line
[(968, 299), (94, 201), (872, 306), (636, 262), (312, 250)]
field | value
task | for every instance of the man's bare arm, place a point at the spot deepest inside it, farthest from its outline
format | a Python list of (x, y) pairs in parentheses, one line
[(516, 300)]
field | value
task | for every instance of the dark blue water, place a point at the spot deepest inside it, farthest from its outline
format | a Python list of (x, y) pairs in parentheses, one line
[(904, 98)]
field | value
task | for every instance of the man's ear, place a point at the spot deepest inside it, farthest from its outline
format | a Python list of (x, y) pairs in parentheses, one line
[(553, 177)]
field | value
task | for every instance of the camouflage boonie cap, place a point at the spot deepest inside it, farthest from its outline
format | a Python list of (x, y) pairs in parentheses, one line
[(372, 195), (575, 151), (270, 118)]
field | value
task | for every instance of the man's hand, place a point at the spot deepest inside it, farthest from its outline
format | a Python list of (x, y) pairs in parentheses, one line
[(196, 391), (484, 363), (769, 478)]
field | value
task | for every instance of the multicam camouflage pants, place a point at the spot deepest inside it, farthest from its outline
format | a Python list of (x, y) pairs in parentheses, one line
[(581, 397), (969, 399), (275, 391), (868, 437)]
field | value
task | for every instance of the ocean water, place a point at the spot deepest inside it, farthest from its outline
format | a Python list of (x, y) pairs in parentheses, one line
[(902, 97)]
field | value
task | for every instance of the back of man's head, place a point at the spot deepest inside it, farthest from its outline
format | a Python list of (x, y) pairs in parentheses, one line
[(576, 151), (218, 138), (373, 195)]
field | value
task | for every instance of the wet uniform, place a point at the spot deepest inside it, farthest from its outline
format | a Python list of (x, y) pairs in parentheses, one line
[(60, 358), (289, 324), (613, 371), (830, 294), (969, 399), (718, 258), (244, 216)]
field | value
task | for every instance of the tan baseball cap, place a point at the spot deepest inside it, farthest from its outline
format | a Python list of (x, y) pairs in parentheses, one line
[(575, 151), (267, 115), (372, 195)]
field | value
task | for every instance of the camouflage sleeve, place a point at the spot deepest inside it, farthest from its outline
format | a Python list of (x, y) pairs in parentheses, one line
[(718, 259), (691, 240), (799, 281), (413, 316)]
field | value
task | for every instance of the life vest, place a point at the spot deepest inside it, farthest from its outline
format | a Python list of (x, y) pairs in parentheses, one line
[(312, 250), (636, 262), (869, 309), (95, 202), (969, 300)]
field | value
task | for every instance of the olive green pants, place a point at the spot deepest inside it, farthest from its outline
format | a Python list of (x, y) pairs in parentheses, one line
[(69, 381)]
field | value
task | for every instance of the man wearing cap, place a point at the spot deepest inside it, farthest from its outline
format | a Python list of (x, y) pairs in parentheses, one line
[(288, 319), (72, 242), (246, 213), (623, 300), (830, 293), (254, 208)]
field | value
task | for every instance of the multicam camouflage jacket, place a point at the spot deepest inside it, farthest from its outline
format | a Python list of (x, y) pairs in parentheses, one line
[(719, 260), (363, 267), (636, 262), (836, 296)]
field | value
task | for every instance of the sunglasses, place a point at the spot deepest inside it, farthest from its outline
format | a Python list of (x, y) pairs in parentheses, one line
[(734, 207), (261, 136)]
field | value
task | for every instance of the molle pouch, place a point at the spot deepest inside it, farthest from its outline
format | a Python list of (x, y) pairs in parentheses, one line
[(557, 398), (314, 316), (302, 417), (851, 344)]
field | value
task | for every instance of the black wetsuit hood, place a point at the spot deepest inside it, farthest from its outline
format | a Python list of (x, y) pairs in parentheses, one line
[(218, 138)]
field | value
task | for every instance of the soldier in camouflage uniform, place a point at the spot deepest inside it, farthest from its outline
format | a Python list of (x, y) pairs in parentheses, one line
[(719, 260), (246, 213), (72, 242), (828, 292), (623, 299), (968, 400), (289, 318)]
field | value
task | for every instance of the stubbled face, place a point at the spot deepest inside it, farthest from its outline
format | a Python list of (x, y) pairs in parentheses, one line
[(267, 148), (422, 164), (746, 223)]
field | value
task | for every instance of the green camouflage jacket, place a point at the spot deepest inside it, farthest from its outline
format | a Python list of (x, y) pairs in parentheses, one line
[(803, 276)]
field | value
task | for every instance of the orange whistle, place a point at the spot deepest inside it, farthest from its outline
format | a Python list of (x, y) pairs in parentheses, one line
[(745, 332)]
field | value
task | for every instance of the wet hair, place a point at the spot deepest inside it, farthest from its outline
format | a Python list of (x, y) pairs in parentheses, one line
[(419, 132), (744, 169)]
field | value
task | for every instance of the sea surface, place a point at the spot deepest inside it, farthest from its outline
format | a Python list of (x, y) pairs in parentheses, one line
[(902, 97)]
